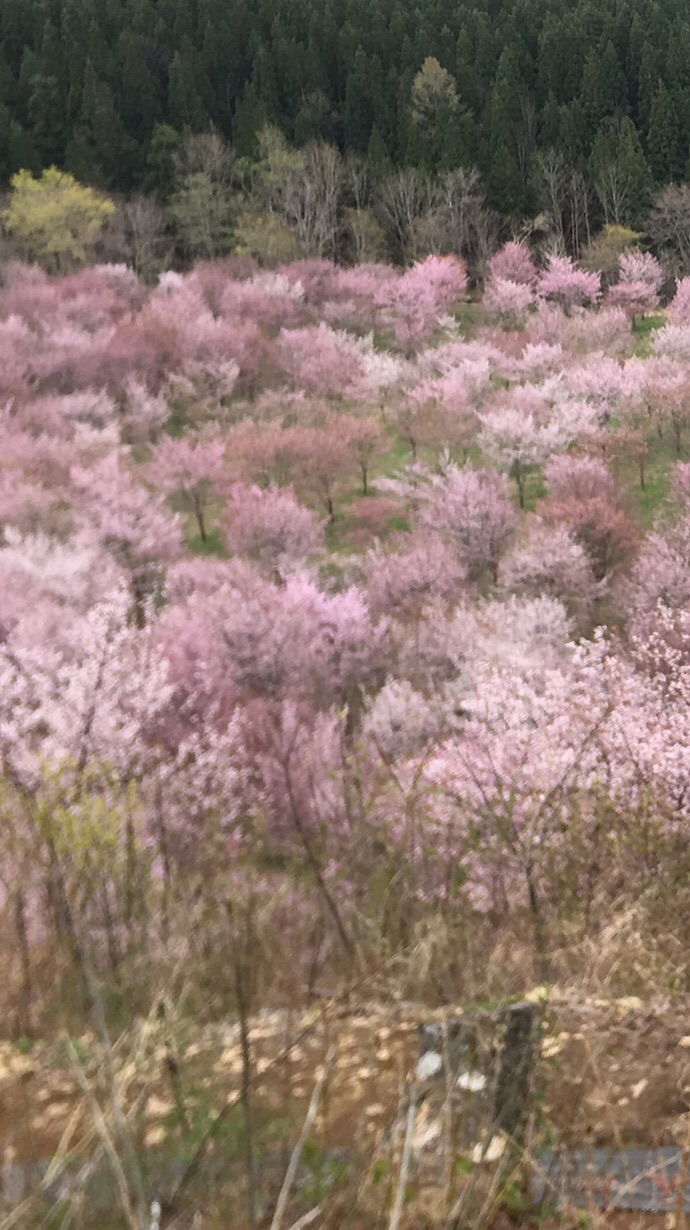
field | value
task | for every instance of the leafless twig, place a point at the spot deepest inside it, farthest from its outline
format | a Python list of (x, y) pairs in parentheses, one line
[(299, 1147)]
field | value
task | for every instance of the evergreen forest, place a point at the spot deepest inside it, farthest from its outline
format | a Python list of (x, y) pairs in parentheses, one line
[(106, 88)]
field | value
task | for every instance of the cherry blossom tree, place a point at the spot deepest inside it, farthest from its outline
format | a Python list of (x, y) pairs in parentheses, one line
[(639, 284), (549, 560), (321, 359), (582, 497), (509, 301), (673, 342), (364, 439), (436, 415), (513, 263), (190, 469), (420, 571), (414, 303), (565, 284), (472, 510), (323, 459), (271, 529), (128, 522), (679, 307), (518, 440)]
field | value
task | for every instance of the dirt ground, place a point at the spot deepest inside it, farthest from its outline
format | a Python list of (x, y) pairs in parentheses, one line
[(613, 1073)]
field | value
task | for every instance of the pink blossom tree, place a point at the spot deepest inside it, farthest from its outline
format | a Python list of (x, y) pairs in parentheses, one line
[(679, 307), (190, 469), (271, 528), (517, 441), (364, 439), (322, 459), (415, 301), (582, 497), (128, 522), (513, 263), (473, 511), (563, 283), (421, 570), (509, 301), (439, 413), (548, 560), (321, 359), (639, 285)]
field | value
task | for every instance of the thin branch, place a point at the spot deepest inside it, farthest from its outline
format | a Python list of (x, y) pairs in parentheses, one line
[(299, 1147), (307, 1219), (396, 1213)]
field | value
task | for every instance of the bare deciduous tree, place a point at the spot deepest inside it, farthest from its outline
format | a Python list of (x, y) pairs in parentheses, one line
[(402, 199), (564, 197), (303, 189), (669, 227), (146, 236)]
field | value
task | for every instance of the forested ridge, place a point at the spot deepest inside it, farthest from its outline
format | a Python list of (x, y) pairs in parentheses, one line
[(101, 87)]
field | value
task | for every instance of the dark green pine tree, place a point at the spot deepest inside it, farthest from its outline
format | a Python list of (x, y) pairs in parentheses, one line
[(159, 176), (603, 89), (550, 127), (100, 151), (188, 88), (663, 137), (17, 27), (649, 74), (226, 30), (573, 135), (31, 67), (140, 97), (47, 98), (265, 84), (560, 57), (8, 85), (677, 72), (377, 153), (360, 105), (248, 121), (47, 118), (458, 144), (17, 150), (507, 186)]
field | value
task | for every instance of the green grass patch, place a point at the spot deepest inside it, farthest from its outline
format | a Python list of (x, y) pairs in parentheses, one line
[(644, 325), (396, 457), (469, 317), (650, 500), (178, 421), (535, 490), (644, 328), (647, 502), (214, 545)]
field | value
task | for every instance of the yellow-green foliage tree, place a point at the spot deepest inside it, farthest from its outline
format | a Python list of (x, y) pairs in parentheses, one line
[(54, 219)]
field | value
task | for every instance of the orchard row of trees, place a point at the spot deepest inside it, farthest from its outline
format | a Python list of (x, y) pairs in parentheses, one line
[(106, 89), (324, 621)]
